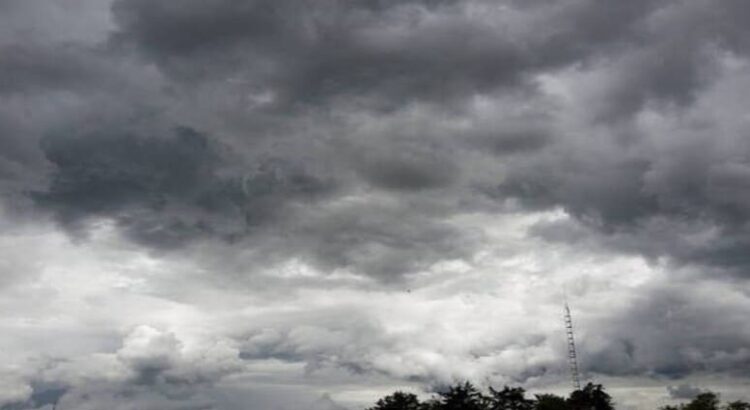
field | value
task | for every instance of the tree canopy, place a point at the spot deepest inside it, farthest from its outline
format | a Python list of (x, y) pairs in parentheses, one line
[(466, 396)]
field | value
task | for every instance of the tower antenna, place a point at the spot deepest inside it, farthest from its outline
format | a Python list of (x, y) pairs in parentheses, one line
[(572, 357)]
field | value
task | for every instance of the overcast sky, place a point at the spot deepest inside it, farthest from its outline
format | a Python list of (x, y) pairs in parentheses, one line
[(288, 204)]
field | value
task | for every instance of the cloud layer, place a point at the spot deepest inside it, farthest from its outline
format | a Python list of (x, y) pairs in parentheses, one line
[(301, 204)]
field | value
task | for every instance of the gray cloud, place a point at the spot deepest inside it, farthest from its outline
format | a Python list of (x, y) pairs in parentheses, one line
[(373, 145), (648, 204), (289, 48), (380, 55), (402, 52), (44, 67), (681, 330), (683, 391), (164, 190)]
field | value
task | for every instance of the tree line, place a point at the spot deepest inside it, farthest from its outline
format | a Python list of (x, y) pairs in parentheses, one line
[(465, 396)]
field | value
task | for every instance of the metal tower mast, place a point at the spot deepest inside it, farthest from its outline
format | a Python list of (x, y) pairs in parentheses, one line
[(572, 358)]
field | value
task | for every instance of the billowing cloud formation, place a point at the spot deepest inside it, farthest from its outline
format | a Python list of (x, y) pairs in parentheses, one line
[(684, 391), (220, 202), (163, 190)]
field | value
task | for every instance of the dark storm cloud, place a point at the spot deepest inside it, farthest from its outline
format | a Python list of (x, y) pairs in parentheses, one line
[(683, 391), (670, 73), (354, 135), (15, 154), (311, 52), (514, 142), (29, 67), (645, 199), (122, 175), (404, 163), (168, 191), (389, 53), (42, 394), (407, 173), (384, 53), (165, 190), (648, 205), (383, 240), (608, 195), (671, 332)]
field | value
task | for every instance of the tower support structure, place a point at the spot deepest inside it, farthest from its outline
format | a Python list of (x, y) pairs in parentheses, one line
[(572, 356)]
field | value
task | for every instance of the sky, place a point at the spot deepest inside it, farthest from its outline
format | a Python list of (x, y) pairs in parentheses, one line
[(287, 204)]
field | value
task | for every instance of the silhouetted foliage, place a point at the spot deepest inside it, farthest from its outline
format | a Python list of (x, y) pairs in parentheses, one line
[(550, 402), (464, 396), (737, 405), (591, 397), (432, 404), (398, 401), (704, 401), (509, 398)]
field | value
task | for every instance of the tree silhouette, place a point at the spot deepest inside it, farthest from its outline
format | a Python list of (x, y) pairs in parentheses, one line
[(432, 404), (398, 401), (591, 397), (464, 396), (708, 401), (550, 402), (461, 397), (509, 398), (704, 401), (738, 405)]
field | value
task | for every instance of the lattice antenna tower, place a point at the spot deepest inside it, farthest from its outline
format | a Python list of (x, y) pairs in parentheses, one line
[(572, 357)]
